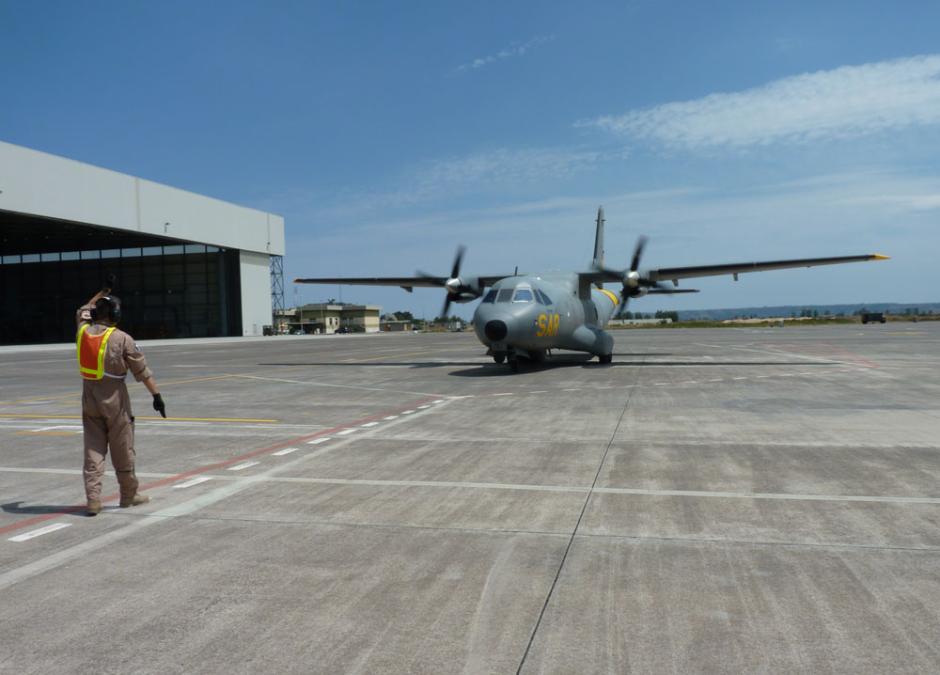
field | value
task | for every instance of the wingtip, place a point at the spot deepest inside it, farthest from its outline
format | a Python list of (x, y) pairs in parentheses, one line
[(878, 256)]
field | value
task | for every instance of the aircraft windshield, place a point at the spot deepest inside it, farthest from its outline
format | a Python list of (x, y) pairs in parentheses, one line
[(505, 295), (490, 296), (522, 295)]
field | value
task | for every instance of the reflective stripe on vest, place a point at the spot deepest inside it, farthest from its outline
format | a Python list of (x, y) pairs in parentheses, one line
[(91, 349)]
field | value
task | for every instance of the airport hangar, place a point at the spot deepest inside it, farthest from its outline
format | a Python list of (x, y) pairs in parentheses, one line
[(187, 265)]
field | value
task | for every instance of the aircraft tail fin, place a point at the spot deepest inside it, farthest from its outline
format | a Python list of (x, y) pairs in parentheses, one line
[(599, 239)]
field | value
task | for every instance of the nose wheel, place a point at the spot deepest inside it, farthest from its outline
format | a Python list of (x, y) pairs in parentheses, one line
[(499, 358)]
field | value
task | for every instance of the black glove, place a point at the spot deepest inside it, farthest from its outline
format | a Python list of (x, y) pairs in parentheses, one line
[(159, 405)]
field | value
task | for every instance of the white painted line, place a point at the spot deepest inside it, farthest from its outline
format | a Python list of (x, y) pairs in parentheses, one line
[(369, 424), (243, 465), (571, 390), (285, 451), (717, 379), (738, 378), (317, 441), (508, 393), (540, 391), (440, 400), (390, 417), (70, 427), (660, 384), (786, 375), (345, 432), (763, 376), (192, 481), (808, 373), (39, 532), (423, 407), (407, 412)]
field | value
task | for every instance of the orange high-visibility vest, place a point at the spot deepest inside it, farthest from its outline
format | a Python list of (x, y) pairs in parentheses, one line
[(91, 349)]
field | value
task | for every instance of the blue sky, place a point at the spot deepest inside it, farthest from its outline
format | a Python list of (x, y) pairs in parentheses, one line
[(387, 133)]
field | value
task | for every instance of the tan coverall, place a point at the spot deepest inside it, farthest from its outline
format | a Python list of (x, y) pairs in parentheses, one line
[(107, 418)]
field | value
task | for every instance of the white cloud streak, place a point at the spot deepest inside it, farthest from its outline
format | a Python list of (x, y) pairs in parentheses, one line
[(841, 103), (515, 49)]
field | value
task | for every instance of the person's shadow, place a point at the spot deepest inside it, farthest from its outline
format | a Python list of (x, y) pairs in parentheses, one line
[(43, 509)]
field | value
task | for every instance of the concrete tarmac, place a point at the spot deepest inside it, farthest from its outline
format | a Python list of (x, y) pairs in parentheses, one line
[(733, 500)]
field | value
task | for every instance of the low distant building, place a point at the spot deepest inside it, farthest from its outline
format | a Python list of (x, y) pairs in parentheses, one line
[(326, 318), (396, 325)]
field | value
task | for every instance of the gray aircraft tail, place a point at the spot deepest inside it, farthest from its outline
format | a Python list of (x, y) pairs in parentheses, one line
[(599, 239)]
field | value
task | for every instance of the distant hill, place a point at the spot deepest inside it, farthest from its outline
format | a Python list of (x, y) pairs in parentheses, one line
[(796, 310)]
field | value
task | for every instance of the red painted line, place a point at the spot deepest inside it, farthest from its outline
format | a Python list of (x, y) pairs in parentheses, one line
[(212, 467)]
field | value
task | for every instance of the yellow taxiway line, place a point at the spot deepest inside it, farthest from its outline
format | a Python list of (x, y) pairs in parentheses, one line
[(25, 416)]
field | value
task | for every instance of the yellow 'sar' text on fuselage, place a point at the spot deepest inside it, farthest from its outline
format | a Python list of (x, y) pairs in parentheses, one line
[(548, 325)]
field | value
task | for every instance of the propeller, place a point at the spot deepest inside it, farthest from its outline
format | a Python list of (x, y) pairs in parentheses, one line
[(637, 285), (459, 290)]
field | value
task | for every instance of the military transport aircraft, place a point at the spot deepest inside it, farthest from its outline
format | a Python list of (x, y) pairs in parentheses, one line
[(523, 316)]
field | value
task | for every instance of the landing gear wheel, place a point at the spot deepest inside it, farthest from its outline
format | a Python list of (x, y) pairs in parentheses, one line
[(605, 358), (514, 364), (499, 358)]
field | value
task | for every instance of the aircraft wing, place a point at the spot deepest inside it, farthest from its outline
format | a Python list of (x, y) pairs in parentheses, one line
[(676, 273), (407, 283)]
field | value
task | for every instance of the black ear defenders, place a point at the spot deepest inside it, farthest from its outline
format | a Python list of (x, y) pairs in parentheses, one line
[(107, 308)]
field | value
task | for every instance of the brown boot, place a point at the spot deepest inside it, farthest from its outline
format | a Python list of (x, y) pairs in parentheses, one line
[(136, 500), (94, 507)]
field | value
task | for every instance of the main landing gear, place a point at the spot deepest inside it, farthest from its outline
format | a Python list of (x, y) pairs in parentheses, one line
[(605, 358)]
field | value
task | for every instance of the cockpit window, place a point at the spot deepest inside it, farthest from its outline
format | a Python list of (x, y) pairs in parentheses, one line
[(522, 295), (490, 296), (545, 299), (505, 295)]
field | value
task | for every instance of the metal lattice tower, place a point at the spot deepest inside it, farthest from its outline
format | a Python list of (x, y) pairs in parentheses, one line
[(277, 284)]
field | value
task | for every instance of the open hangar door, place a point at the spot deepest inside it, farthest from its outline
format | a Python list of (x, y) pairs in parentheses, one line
[(169, 287)]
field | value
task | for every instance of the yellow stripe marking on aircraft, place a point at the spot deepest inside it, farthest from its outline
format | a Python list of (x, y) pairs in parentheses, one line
[(613, 298)]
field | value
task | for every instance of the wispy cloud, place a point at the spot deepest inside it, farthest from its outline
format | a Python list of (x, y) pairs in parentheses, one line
[(840, 103), (515, 49)]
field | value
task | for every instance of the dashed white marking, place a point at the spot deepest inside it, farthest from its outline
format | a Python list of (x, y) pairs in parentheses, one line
[(345, 432), (440, 400), (540, 391), (717, 379), (571, 390), (689, 382), (317, 441), (26, 536), (506, 393), (660, 384), (285, 451), (70, 427), (763, 376), (243, 465), (807, 373), (192, 481), (738, 378), (407, 412), (369, 424), (786, 374), (390, 417), (423, 407)]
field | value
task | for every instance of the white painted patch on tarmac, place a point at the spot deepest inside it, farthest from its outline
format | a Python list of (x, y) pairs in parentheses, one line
[(243, 465), (317, 441), (285, 451), (369, 424), (423, 407), (440, 400), (191, 482), (32, 534), (738, 378), (345, 432), (390, 417), (506, 393), (407, 412)]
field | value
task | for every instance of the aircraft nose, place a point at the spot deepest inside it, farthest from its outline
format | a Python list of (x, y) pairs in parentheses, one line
[(495, 330)]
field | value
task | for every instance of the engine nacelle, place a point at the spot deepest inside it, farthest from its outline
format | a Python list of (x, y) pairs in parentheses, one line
[(463, 289)]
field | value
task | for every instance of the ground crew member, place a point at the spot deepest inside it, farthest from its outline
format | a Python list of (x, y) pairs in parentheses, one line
[(105, 354)]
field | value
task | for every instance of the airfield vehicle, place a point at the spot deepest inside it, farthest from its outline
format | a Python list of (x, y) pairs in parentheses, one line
[(872, 317), (524, 316)]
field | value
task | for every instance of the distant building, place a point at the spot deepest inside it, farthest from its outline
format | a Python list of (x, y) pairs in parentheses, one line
[(326, 318), (396, 325)]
